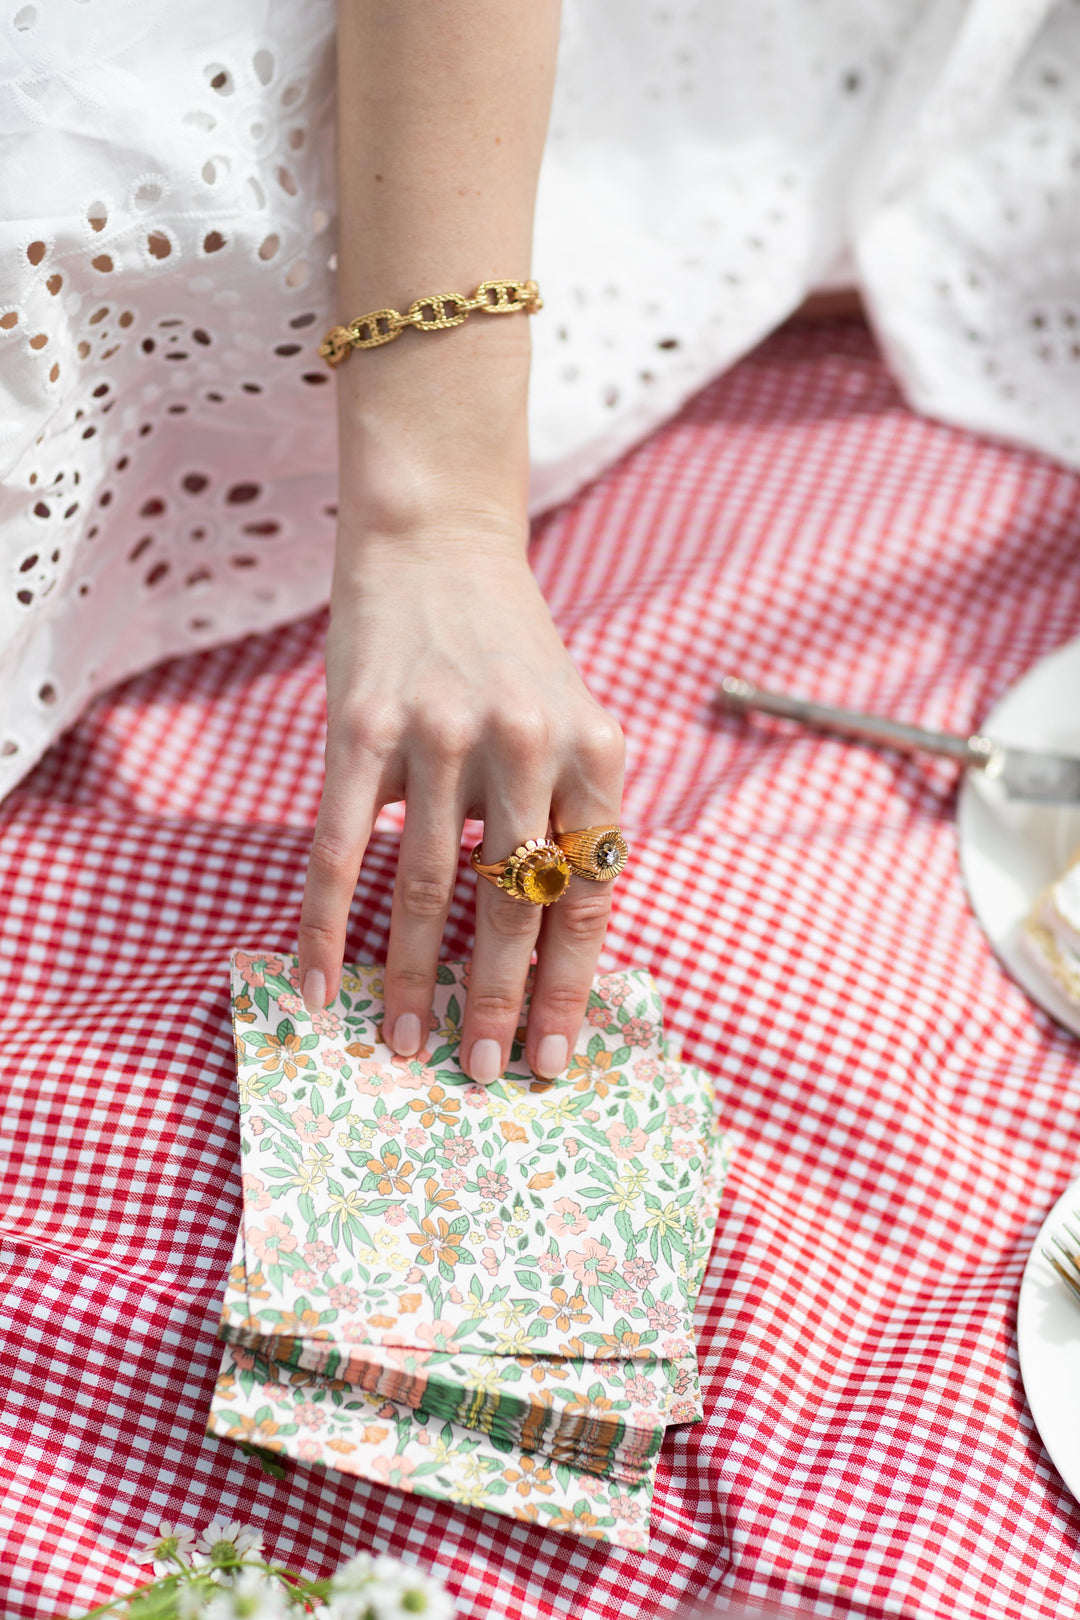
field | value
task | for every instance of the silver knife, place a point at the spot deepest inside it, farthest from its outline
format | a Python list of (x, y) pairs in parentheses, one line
[(1021, 772)]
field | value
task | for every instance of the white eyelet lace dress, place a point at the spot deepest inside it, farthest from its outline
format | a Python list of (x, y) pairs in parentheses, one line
[(167, 436)]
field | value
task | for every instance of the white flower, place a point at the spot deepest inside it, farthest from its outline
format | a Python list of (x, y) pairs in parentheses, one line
[(222, 1545), (381, 1588), (254, 1596), (168, 1546)]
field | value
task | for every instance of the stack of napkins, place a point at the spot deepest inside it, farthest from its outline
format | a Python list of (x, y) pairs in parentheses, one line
[(480, 1293), (1050, 934)]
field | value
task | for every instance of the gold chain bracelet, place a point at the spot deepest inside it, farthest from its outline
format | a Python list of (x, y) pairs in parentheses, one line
[(433, 314)]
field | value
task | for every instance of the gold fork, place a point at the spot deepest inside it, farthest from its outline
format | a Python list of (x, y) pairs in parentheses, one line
[(1070, 1272)]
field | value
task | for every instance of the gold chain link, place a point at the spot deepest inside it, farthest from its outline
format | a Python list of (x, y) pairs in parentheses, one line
[(436, 313)]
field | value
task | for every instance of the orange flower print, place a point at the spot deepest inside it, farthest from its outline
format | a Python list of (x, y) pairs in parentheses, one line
[(271, 1241), (283, 1054), (626, 1141), (436, 1106), (565, 1309), (392, 1174), (591, 1074), (588, 1262), (435, 1241), (243, 1010), (528, 1476)]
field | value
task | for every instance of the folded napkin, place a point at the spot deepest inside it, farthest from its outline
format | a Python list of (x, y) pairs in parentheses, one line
[(516, 1262)]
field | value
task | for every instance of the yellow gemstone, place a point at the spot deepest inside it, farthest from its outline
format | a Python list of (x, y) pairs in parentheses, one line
[(543, 876)]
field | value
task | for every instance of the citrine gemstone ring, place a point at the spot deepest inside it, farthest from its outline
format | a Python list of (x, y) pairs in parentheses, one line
[(537, 871), (597, 853)]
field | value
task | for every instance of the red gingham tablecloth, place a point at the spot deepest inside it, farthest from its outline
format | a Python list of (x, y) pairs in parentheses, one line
[(904, 1117)]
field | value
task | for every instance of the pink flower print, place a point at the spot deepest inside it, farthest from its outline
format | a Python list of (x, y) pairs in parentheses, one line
[(674, 1348), (395, 1215), (493, 1185), (326, 1023), (438, 1334), (416, 1139), (624, 1299), (663, 1317), (244, 1359), (252, 969), (646, 1070), (310, 1415), (589, 1485), (414, 1275), (413, 1073), (475, 1096), (454, 1178), (571, 1147), (683, 1147), (343, 1298), (626, 1141), (639, 1273), (567, 1221), (271, 1241), (590, 1114), (459, 1148), (311, 1127), (309, 1451), (392, 1470), (638, 1032), (589, 1261), (613, 988), (551, 1264), (388, 1125), (256, 1124), (683, 1381), (639, 1388), (334, 1057), (494, 1229), (277, 1096), (372, 1078), (255, 1193), (681, 1117), (672, 1076), (599, 1016), (624, 1507), (293, 1005), (292, 973), (455, 1296), (682, 1412), (489, 1260), (303, 1279), (319, 1256), (422, 1437)]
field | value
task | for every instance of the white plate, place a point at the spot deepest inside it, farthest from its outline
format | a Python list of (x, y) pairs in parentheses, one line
[(1010, 851), (1048, 1339)]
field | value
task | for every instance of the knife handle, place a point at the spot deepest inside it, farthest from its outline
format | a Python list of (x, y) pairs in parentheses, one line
[(744, 695)]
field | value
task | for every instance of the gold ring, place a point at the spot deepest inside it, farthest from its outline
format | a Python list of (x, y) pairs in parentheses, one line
[(537, 871), (598, 853)]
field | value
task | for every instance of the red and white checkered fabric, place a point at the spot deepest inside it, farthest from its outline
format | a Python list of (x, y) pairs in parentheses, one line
[(904, 1115)]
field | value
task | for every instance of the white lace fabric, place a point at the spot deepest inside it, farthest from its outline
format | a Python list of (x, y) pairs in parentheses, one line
[(167, 435)]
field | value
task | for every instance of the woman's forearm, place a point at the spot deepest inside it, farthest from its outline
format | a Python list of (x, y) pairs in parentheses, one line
[(443, 108)]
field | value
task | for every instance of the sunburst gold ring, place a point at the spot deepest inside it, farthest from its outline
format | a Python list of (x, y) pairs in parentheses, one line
[(537, 871), (598, 853)]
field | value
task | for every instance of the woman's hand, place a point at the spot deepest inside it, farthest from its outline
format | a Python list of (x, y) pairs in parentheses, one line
[(449, 688)]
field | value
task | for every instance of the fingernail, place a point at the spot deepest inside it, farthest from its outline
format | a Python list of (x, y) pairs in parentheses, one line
[(406, 1039), (485, 1060), (314, 991), (551, 1056)]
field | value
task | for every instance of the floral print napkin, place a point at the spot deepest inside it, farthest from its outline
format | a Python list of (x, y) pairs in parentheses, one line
[(401, 1250)]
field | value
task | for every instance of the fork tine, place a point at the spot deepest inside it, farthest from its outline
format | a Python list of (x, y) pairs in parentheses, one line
[(1070, 1281), (1070, 1254)]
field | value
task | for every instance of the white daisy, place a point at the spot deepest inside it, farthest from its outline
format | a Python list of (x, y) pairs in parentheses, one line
[(167, 1548)]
